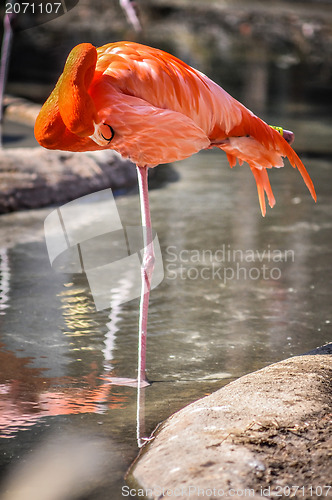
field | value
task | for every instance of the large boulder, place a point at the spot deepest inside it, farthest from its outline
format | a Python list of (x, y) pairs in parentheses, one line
[(34, 177), (258, 436)]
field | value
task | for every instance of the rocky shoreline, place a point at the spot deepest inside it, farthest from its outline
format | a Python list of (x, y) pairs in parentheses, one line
[(265, 434), (34, 177)]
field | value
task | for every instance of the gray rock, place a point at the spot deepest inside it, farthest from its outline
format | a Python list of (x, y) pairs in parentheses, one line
[(35, 177), (267, 430), (20, 110), (324, 349)]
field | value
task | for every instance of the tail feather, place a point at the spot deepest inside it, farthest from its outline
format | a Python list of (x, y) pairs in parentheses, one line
[(263, 186), (297, 163), (262, 147), (231, 160)]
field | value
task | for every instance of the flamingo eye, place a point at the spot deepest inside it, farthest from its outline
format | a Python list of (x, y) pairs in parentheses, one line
[(106, 132)]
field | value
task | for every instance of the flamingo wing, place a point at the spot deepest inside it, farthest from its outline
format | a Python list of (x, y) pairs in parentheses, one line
[(167, 82), (146, 133), (94, 88)]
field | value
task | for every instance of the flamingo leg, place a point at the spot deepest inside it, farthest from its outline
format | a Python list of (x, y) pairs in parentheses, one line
[(147, 271)]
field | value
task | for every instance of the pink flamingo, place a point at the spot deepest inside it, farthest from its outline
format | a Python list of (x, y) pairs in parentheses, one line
[(153, 108)]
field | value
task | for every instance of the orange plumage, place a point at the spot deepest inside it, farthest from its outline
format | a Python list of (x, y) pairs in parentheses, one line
[(153, 108)]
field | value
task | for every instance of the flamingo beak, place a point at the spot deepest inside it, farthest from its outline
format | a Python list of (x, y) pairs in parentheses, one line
[(289, 136)]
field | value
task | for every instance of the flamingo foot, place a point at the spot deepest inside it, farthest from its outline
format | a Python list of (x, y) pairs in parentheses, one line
[(128, 382)]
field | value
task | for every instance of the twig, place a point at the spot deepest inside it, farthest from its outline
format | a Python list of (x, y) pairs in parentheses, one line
[(4, 63)]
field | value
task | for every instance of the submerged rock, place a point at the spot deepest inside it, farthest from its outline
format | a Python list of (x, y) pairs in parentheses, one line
[(262, 433), (34, 177)]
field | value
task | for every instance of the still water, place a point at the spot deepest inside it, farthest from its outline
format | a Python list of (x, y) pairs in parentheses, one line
[(239, 292)]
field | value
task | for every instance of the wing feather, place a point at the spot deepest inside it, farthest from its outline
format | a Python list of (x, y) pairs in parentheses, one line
[(163, 80)]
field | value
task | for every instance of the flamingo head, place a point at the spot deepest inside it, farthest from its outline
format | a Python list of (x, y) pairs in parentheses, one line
[(67, 119)]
